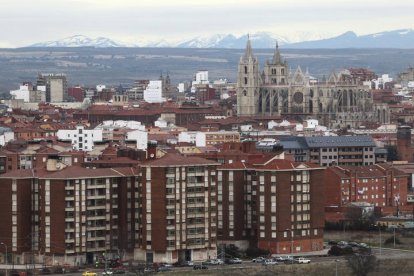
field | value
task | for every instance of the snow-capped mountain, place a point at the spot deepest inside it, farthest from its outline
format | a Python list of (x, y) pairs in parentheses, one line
[(80, 41), (258, 40), (403, 38)]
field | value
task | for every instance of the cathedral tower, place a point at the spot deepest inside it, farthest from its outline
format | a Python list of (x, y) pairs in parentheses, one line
[(248, 83), (276, 71)]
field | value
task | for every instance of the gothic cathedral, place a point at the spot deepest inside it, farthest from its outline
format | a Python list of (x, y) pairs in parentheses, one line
[(339, 101)]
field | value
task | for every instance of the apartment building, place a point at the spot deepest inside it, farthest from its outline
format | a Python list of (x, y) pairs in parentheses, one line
[(212, 138), (178, 209), (71, 216), (81, 138), (276, 205), (331, 150), (380, 186)]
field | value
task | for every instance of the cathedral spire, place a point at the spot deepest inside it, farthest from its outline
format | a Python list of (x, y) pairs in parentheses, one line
[(277, 59), (248, 53)]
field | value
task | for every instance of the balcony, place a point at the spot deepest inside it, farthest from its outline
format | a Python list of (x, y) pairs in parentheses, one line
[(94, 228), (96, 207), (96, 238), (96, 197), (69, 240), (350, 160)]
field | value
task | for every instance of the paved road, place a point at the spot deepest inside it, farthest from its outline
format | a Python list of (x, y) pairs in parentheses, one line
[(383, 253)]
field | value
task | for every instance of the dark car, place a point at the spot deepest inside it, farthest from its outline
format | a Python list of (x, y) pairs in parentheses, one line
[(199, 266), (164, 269)]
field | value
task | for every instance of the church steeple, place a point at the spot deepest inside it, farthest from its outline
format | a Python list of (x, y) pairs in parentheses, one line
[(248, 53), (277, 59)]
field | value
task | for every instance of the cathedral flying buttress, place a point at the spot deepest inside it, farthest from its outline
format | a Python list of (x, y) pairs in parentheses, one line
[(338, 101)]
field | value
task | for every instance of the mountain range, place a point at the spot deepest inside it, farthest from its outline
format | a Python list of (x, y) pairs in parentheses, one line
[(403, 38)]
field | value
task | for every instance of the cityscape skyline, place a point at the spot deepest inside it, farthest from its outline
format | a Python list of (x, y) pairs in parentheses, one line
[(137, 22)]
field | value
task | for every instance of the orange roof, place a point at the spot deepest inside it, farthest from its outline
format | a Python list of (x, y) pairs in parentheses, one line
[(173, 159)]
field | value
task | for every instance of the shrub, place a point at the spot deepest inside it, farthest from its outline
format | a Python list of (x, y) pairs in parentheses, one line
[(390, 240), (254, 252)]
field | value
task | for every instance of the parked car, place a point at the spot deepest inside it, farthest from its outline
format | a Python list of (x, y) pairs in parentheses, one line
[(164, 269), (218, 261), (289, 260), (353, 244), (234, 261), (259, 260), (280, 259), (188, 263), (342, 243), (199, 266), (107, 272), (89, 273), (303, 261), (270, 262)]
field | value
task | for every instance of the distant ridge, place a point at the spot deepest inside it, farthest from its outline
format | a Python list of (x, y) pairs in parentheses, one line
[(403, 38), (80, 41)]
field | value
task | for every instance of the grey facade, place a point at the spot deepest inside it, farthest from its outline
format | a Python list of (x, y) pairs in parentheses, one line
[(331, 150)]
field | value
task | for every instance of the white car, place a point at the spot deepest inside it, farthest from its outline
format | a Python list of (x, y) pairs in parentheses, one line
[(303, 261), (270, 262), (218, 261)]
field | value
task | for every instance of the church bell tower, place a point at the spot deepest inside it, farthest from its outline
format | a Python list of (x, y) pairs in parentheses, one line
[(248, 83)]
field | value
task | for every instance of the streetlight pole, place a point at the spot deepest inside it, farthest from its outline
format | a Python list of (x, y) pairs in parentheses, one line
[(336, 267), (7, 265), (394, 237), (379, 228)]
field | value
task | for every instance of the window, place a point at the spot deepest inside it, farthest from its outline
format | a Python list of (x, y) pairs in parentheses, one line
[(245, 80), (245, 69)]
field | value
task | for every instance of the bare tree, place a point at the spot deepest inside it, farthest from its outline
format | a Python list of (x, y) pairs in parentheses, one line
[(362, 264)]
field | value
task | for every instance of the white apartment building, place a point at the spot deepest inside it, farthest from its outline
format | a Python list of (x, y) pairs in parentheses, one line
[(153, 92), (23, 93), (81, 138), (6, 135), (201, 77), (140, 136), (187, 137), (134, 131)]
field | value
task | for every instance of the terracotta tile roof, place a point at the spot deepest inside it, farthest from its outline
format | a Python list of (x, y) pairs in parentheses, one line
[(282, 164), (73, 172), (276, 164), (233, 166), (47, 150), (19, 174), (365, 171), (173, 159), (117, 160)]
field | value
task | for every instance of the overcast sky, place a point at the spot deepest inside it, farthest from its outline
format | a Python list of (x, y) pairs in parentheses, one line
[(24, 22)]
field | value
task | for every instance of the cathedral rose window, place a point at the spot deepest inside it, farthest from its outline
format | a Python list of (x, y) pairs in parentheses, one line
[(298, 97)]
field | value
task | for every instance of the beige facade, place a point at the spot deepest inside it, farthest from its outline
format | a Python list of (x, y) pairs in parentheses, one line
[(338, 101)]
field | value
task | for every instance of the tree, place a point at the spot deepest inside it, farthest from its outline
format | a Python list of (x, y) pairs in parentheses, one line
[(362, 264)]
